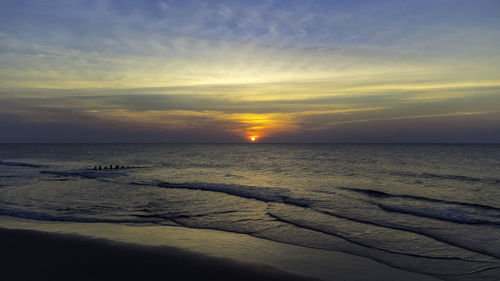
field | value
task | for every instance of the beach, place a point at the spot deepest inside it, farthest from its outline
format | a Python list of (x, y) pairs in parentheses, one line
[(330, 212), (250, 140), (81, 251), (32, 255)]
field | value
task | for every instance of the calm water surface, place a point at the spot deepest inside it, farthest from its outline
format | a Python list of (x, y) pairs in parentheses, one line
[(432, 209)]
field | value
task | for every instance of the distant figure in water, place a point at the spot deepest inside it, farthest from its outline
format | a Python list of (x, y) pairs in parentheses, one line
[(110, 167)]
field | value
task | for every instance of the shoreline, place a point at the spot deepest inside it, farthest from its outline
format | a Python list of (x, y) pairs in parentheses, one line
[(171, 252), (36, 255)]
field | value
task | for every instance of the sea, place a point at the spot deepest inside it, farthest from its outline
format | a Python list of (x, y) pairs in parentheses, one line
[(426, 208)]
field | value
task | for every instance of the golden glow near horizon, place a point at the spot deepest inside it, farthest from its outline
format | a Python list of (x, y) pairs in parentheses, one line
[(244, 70)]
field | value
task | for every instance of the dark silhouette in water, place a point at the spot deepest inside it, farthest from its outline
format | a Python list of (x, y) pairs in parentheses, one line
[(116, 167), (112, 167)]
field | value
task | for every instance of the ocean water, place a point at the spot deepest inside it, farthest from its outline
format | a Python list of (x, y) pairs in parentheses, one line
[(431, 209)]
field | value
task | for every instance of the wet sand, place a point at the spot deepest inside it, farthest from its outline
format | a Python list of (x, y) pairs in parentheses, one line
[(35, 255), (36, 250)]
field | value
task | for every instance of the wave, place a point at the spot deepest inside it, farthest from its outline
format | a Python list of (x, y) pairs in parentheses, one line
[(450, 177), (353, 241), (420, 230), (366, 243), (444, 210), (21, 164), (381, 194), (47, 217), (234, 176), (87, 174), (436, 234), (445, 177), (446, 214), (264, 194), (173, 216)]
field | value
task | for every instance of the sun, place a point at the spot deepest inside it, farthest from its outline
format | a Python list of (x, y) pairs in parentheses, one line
[(253, 138)]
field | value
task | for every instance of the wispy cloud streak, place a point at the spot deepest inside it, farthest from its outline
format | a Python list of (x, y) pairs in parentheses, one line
[(269, 68)]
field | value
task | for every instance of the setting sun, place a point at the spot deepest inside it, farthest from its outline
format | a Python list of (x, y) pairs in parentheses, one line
[(253, 138)]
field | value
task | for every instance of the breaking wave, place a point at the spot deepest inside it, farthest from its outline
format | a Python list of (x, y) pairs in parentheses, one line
[(381, 194), (264, 194), (21, 164)]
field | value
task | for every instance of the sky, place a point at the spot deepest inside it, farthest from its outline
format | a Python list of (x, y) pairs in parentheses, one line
[(224, 71)]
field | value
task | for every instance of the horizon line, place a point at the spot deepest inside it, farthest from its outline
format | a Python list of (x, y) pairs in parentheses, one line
[(252, 143)]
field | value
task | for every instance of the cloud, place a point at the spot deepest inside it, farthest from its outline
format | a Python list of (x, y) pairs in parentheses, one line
[(75, 44), (260, 67), (172, 109)]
